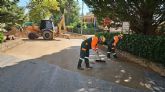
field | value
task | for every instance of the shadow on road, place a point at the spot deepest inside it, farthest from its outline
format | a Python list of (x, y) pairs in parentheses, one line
[(39, 73)]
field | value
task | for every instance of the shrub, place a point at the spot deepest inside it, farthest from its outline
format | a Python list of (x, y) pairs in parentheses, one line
[(1, 37), (149, 47)]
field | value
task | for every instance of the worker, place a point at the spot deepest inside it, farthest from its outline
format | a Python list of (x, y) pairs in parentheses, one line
[(86, 45), (112, 45)]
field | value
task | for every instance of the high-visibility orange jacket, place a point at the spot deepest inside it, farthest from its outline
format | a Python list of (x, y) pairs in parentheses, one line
[(94, 43), (116, 40), (90, 43)]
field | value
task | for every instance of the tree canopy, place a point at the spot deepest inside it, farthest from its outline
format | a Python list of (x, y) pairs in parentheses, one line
[(41, 9), (144, 15), (10, 12), (71, 12)]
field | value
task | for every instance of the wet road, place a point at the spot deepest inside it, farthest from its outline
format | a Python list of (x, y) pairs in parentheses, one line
[(50, 66)]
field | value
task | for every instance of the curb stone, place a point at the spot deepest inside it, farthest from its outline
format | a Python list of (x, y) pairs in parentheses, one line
[(141, 61), (159, 68)]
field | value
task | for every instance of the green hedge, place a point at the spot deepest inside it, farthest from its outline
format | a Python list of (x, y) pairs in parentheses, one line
[(1, 37), (149, 47)]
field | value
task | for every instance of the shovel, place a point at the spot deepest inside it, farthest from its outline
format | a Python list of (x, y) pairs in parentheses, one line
[(99, 60)]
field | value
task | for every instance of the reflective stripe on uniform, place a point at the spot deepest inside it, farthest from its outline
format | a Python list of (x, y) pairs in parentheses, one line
[(113, 48), (86, 57), (114, 53), (82, 59), (83, 49), (108, 52)]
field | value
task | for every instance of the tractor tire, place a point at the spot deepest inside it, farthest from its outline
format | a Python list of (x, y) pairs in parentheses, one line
[(32, 36), (47, 35)]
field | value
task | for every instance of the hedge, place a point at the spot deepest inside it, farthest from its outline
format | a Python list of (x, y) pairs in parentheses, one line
[(1, 37), (149, 47)]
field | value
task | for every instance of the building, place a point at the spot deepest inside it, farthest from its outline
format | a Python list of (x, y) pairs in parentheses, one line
[(89, 19)]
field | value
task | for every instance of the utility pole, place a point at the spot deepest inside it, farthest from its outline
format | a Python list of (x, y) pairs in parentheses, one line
[(82, 17)]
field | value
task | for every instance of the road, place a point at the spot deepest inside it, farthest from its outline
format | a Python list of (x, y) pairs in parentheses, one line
[(50, 66)]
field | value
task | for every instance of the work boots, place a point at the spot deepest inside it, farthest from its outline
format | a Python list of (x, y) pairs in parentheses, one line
[(79, 65), (80, 68), (108, 55), (114, 55), (87, 63)]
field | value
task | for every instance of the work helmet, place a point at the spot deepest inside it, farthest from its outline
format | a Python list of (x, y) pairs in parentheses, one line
[(102, 39), (120, 36)]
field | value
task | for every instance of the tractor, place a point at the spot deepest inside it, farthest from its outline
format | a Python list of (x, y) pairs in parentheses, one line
[(46, 30)]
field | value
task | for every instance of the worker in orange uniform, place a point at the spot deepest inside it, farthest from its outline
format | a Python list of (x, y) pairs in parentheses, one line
[(86, 45), (112, 45)]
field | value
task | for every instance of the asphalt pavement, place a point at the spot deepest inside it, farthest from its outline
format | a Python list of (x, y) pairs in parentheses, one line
[(51, 66)]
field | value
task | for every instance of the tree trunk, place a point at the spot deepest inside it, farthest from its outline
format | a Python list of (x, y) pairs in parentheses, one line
[(147, 26)]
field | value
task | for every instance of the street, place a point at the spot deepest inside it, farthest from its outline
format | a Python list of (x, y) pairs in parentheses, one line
[(51, 66)]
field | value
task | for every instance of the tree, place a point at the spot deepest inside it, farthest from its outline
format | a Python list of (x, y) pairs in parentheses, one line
[(10, 13), (41, 9), (144, 15), (71, 10)]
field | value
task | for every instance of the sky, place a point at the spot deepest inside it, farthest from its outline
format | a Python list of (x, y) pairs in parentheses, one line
[(85, 10), (23, 3)]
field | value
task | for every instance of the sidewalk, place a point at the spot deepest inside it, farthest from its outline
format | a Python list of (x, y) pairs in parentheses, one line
[(10, 44)]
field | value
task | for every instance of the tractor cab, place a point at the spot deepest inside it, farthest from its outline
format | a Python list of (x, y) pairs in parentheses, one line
[(47, 29), (47, 25)]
